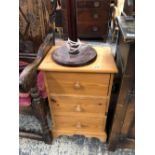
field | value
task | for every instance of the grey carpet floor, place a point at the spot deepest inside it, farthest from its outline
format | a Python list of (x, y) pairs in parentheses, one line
[(63, 145)]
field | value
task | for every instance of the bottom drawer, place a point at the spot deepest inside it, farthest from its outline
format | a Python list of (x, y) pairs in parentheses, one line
[(80, 122)]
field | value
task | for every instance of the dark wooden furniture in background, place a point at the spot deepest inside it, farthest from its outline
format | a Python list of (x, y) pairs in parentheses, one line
[(93, 17), (34, 25), (28, 83), (129, 7), (34, 21), (123, 125)]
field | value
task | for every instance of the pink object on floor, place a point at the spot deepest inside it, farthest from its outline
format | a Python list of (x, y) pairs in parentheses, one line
[(25, 99)]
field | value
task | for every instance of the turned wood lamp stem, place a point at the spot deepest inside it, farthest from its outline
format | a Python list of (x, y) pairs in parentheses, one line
[(73, 53), (72, 23)]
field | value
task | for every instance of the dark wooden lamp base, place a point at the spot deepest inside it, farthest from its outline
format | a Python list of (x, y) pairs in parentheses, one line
[(83, 56)]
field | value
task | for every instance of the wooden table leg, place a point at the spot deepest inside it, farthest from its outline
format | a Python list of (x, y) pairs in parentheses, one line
[(38, 106)]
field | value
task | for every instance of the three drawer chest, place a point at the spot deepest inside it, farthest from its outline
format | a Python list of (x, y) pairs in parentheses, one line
[(79, 96), (93, 17)]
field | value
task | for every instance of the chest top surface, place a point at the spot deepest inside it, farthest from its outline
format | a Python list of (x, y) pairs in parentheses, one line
[(104, 63)]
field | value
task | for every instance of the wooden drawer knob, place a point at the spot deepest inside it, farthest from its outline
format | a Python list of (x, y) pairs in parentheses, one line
[(94, 28), (96, 4), (53, 99), (77, 85), (78, 125), (95, 15), (78, 108)]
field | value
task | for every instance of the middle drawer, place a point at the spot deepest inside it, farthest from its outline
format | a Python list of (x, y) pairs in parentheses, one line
[(78, 83), (64, 105)]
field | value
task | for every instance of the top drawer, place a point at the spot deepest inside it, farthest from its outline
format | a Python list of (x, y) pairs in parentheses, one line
[(77, 83)]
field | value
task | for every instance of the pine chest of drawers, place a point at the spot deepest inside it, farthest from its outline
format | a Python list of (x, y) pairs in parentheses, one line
[(93, 17), (79, 96)]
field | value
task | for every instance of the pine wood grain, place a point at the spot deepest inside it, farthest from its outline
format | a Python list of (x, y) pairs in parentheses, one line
[(64, 104), (104, 63), (80, 122), (109, 90), (79, 96), (78, 83)]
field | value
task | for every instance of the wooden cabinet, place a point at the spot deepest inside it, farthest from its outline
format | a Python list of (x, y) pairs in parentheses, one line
[(93, 17), (129, 7), (34, 17), (123, 126), (79, 96)]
